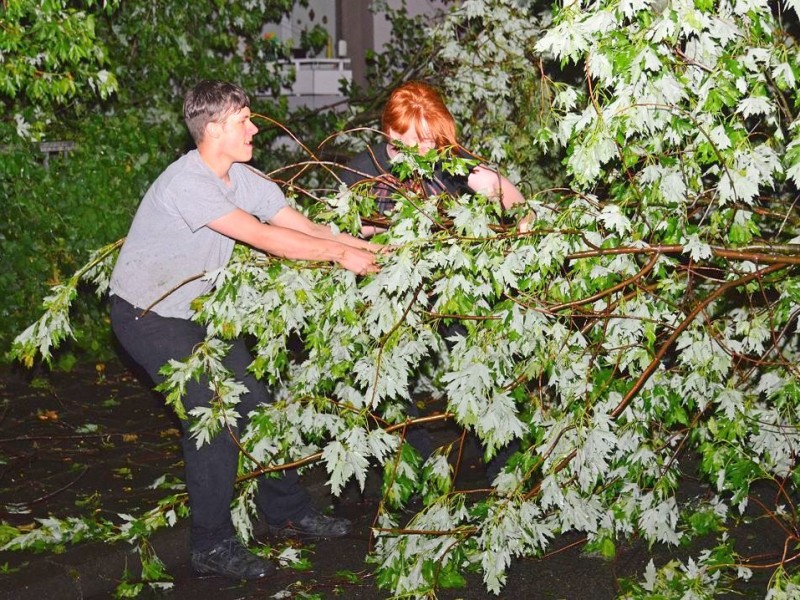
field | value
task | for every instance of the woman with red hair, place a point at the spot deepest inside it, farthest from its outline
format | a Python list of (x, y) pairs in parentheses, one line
[(416, 116)]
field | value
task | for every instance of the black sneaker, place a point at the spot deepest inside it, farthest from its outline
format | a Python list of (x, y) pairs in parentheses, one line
[(313, 525), (230, 558)]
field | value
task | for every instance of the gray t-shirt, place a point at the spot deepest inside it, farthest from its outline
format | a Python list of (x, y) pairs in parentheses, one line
[(169, 243)]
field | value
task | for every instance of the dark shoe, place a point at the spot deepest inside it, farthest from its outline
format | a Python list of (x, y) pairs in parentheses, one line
[(313, 525), (230, 558)]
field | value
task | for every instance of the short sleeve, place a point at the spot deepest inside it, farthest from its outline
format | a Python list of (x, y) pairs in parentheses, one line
[(255, 193), (201, 202)]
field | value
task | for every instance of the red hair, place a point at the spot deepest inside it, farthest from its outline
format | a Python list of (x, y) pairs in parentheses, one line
[(411, 103)]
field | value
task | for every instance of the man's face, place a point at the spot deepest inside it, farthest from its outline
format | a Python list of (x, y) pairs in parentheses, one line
[(419, 136), (237, 135)]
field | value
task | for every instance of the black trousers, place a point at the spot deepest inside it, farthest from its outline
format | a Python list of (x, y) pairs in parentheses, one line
[(152, 340)]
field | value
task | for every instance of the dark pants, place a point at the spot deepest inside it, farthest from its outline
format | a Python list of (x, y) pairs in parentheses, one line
[(152, 340)]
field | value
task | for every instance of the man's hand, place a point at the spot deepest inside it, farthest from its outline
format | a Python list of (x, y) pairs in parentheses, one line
[(291, 235), (358, 261)]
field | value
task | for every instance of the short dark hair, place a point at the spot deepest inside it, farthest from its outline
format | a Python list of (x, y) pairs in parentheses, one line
[(211, 101)]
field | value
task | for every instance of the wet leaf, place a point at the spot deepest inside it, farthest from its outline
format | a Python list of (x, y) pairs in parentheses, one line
[(47, 415)]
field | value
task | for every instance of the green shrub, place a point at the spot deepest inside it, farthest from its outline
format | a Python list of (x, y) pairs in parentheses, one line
[(57, 214)]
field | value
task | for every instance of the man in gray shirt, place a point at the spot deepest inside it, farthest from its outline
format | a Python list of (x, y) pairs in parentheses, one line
[(187, 225)]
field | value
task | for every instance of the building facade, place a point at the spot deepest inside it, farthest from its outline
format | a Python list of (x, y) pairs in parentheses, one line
[(353, 27)]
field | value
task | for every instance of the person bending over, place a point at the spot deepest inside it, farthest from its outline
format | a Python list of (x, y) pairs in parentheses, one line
[(187, 225)]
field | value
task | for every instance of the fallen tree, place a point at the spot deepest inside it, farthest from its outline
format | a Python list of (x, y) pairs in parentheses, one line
[(647, 315)]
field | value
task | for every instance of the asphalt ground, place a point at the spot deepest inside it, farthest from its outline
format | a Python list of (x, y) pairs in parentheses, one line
[(91, 441)]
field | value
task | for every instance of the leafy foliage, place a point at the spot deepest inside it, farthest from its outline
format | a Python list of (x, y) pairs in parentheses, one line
[(108, 78), (648, 315), (51, 55)]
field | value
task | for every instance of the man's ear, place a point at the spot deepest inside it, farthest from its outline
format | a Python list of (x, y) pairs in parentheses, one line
[(213, 129)]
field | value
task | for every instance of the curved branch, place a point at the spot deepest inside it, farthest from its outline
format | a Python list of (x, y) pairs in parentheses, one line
[(637, 386), (755, 256), (607, 292)]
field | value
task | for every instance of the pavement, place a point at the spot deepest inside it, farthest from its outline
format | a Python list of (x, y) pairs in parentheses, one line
[(92, 440), (93, 571)]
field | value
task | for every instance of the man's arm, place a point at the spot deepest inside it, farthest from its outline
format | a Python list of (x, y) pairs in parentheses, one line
[(290, 218), (279, 239)]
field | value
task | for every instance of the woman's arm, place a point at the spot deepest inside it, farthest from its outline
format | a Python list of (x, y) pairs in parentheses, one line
[(493, 185)]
